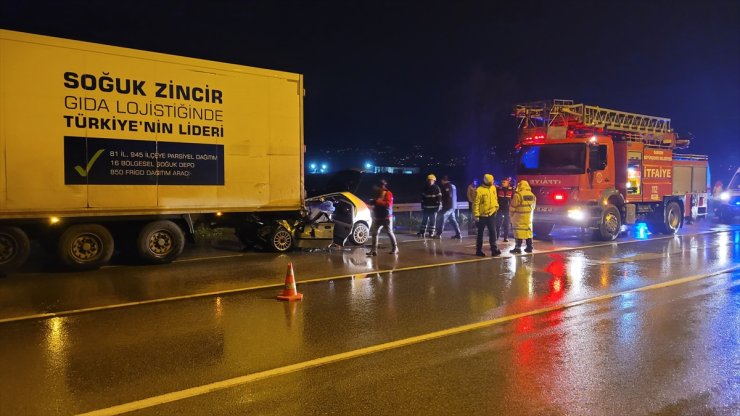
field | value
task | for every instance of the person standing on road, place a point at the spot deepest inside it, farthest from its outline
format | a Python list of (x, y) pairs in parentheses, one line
[(382, 217), (449, 206), (503, 221), (484, 211), (471, 201), (717, 190), (431, 199), (522, 216), (715, 202)]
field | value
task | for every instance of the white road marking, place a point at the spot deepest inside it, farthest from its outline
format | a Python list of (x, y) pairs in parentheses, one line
[(373, 349)]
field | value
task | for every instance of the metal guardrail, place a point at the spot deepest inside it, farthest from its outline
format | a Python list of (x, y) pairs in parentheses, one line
[(408, 210), (417, 207)]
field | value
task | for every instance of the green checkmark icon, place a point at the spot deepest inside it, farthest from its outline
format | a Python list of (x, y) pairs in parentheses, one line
[(90, 163)]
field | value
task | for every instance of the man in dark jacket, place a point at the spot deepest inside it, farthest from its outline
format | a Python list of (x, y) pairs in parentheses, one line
[(449, 206), (431, 199), (382, 217), (503, 221)]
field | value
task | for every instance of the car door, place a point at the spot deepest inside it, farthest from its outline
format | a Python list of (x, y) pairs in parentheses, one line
[(344, 214)]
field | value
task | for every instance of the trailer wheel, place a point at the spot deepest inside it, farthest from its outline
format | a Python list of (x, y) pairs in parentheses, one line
[(15, 248), (280, 239), (542, 229), (360, 234), (672, 218), (160, 242), (85, 246), (610, 224)]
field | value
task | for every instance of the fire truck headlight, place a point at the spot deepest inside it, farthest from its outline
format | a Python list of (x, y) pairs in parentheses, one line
[(725, 196), (576, 214)]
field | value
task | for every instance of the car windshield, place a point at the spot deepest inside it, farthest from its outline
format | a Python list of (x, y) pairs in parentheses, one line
[(552, 158), (735, 182)]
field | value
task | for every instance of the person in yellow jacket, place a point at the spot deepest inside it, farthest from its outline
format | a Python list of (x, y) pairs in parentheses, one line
[(522, 215), (484, 212)]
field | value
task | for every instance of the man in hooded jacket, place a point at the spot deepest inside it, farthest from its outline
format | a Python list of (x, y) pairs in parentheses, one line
[(522, 216), (484, 211)]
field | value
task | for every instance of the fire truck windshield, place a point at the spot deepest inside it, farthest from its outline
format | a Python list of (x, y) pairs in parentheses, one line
[(566, 158)]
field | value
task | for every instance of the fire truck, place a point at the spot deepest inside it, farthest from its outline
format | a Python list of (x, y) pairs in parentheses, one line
[(600, 169)]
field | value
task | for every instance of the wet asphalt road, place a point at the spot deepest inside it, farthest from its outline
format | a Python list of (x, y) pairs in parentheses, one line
[(207, 270), (559, 333)]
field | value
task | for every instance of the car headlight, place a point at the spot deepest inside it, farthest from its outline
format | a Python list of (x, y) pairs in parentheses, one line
[(576, 214), (725, 196)]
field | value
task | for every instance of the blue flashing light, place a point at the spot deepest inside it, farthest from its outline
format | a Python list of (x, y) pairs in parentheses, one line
[(323, 166), (312, 166), (641, 230), (368, 165)]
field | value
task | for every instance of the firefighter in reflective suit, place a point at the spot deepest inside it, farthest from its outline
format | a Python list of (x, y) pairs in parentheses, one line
[(522, 215)]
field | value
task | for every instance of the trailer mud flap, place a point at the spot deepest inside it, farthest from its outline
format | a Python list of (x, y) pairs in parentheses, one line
[(630, 215)]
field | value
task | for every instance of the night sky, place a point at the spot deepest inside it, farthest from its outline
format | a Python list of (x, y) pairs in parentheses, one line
[(445, 75)]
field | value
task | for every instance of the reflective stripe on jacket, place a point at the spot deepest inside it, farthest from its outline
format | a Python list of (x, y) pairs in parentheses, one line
[(505, 193), (431, 197), (486, 201)]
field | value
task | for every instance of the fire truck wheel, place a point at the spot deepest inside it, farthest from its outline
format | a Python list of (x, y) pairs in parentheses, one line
[(672, 218), (160, 242), (14, 249), (85, 246), (610, 224)]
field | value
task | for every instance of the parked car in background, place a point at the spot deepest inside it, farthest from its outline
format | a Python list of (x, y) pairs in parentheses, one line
[(729, 200)]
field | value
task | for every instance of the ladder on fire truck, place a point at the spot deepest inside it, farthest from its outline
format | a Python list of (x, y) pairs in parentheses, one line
[(650, 130)]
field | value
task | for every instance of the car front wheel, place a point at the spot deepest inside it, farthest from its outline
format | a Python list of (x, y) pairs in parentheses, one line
[(360, 234)]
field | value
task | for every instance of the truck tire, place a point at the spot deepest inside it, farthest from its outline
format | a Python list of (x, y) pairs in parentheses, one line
[(280, 239), (85, 246), (671, 218), (610, 224), (542, 229), (360, 234), (15, 247), (160, 242)]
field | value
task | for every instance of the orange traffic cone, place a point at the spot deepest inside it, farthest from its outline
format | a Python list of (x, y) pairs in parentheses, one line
[(290, 292)]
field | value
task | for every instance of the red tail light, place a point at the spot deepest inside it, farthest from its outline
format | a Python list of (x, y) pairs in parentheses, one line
[(559, 197)]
